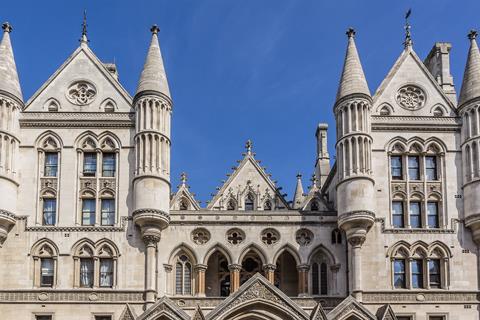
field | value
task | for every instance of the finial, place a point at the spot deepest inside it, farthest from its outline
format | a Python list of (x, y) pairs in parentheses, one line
[(155, 29), (248, 146), (472, 35), (350, 33), (313, 179), (183, 178), (408, 36), (84, 39), (299, 175), (7, 27)]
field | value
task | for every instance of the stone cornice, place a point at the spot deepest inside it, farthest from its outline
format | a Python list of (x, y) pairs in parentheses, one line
[(416, 123), (417, 230), (120, 228), (71, 296), (78, 119), (421, 297)]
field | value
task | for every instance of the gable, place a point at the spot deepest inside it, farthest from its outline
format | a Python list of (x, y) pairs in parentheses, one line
[(248, 178), (164, 308), (81, 84), (410, 90), (350, 307), (183, 195)]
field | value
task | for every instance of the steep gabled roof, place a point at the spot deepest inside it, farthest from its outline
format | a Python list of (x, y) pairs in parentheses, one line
[(314, 194), (164, 306), (386, 313), (318, 313), (249, 169), (198, 315), (128, 313), (350, 306), (9, 82), (409, 69), (184, 192), (471, 77), (258, 290), (82, 52)]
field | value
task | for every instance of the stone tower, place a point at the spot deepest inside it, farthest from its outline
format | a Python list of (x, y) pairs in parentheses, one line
[(153, 107), (11, 103), (468, 106), (355, 192)]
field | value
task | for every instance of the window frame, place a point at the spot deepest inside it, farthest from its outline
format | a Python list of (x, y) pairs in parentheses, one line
[(94, 165), (111, 212), (46, 200), (41, 276), (419, 215), (91, 260), (436, 215), (397, 215), (416, 168), (393, 169), (420, 274), (94, 202), (402, 274), (113, 168), (433, 169), (47, 167), (110, 273)]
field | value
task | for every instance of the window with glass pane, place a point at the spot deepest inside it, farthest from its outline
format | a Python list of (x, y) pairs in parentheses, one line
[(396, 167), (89, 163), (432, 214), (179, 278), (103, 317), (323, 279), (43, 317), (88, 212), (415, 215), (187, 274), (108, 165), (397, 214), (108, 212), (49, 211), (431, 168), (106, 272), (46, 272), (434, 273), (86, 273), (417, 273), (51, 164), (249, 202), (414, 168), (315, 279), (399, 274)]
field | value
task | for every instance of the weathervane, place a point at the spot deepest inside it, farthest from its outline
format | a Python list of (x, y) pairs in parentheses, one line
[(84, 38), (408, 36)]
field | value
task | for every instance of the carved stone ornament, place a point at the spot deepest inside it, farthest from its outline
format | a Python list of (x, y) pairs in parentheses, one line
[(304, 237), (270, 236), (411, 97), (81, 93), (235, 236), (200, 236)]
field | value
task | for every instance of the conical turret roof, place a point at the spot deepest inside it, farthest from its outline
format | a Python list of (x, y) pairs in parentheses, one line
[(353, 79), (153, 77), (298, 197), (471, 78), (8, 70)]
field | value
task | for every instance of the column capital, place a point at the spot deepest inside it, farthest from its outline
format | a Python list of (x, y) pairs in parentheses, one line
[(200, 267), (235, 267), (150, 240), (303, 267), (357, 241), (269, 267)]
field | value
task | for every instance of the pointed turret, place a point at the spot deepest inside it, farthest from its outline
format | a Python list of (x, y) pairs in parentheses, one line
[(299, 196), (471, 78), (353, 79), (153, 77), (9, 83)]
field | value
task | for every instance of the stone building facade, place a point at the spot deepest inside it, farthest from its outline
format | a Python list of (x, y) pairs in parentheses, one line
[(91, 228)]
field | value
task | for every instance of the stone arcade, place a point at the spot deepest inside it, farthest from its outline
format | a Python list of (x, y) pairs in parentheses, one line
[(90, 228)]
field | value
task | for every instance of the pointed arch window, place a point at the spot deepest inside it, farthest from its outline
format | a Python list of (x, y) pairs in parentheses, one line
[(336, 236), (183, 276), (45, 264), (249, 202), (267, 205), (314, 206)]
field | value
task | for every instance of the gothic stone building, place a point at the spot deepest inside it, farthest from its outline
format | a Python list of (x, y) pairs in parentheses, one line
[(90, 228)]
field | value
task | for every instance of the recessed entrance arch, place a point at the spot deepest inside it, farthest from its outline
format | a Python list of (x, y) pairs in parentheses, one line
[(260, 310)]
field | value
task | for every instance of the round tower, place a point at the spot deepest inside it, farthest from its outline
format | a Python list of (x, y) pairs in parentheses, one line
[(355, 186), (11, 103), (153, 107), (469, 109)]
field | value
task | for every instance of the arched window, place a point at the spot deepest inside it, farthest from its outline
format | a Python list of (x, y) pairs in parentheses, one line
[(384, 111), (183, 276), (267, 205), (249, 202), (86, 267), (438, 112), (319, 274), (107, 266), (45, 255), (323, 279), (336, 236), (183, 204)]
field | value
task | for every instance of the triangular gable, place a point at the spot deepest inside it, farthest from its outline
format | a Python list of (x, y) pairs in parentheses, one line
[(127, 314), (81, 66), (257, 290), (386, 313), (410, 70), (248, 176), (318, 313), (314, 195), (166, 307), (183, 193), (198, 315), (350, 306)]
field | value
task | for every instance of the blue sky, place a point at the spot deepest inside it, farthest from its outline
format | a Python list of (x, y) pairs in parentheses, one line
[(265, 70)]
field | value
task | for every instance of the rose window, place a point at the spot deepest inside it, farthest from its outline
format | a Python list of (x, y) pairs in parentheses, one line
[(270, 236), (304, 237), (411, 97), (235, 236), (81, 93), (200, 236)]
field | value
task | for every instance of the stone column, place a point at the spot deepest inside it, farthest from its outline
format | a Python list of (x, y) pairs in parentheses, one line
[(200, 269), (356, 271), (234, 277), (303, 279), (150, 268), (270, 272)]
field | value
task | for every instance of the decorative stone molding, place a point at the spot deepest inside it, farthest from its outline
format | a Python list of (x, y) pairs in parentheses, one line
[(411, 97), (270, 236), (81, 93), (417, 231), (32, 296), (77, 119), (7, 221), (121, 228), (421, 297), (200, 236), (304, 237)]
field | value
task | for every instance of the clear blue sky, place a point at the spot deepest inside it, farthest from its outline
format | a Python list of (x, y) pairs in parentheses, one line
[(261, 69)]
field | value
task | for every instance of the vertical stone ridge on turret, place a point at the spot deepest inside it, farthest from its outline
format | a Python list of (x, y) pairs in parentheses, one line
[(469, 108), (355, 187), (151, 183), (11, 104)]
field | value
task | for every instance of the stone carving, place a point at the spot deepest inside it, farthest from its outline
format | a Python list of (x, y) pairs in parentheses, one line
[(270, 236), (411, 97), (81, 93), (200, 236), (235, 236), (304, 237)]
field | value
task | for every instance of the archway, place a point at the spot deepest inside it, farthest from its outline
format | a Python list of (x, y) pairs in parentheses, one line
[(260, 310), (217, 276), (251, 264), (286, 275)]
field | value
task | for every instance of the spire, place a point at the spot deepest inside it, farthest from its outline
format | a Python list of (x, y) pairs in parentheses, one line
[(298, 197), (9, 82), (248, 146), (471, 78), (183, 179), (408, 36), (84, 40), (353, 79), (153, 77)]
